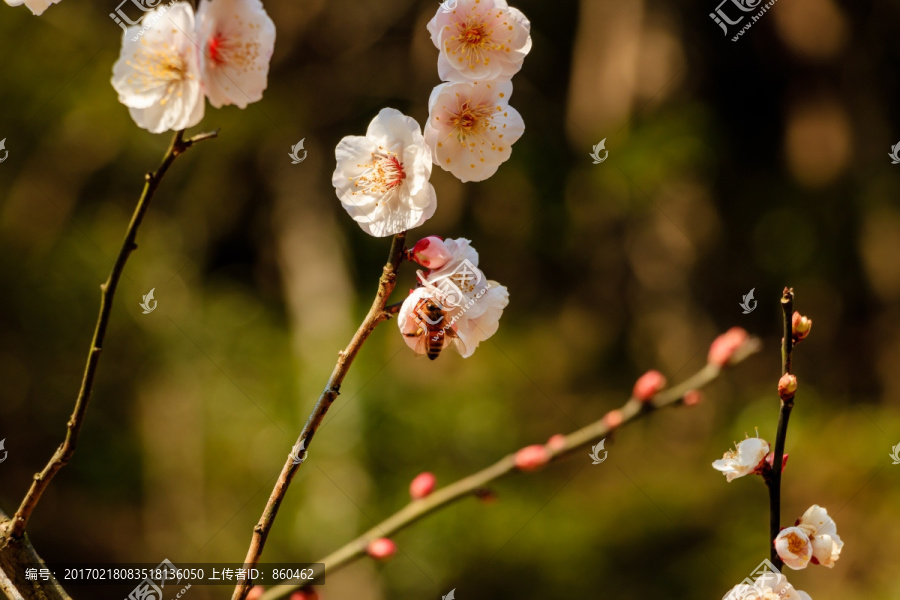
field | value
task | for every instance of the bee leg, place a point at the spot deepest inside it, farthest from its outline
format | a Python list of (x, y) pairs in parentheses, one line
[(418, 332)]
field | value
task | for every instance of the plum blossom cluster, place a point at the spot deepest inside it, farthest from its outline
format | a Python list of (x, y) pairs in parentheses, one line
[(813, 538), (471, 126), (382, 178), (176, 60)]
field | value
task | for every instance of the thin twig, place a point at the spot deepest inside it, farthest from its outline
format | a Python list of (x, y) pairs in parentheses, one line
[(375, 316), (774, 478), (107, 293), (475, 484), (13, 556)]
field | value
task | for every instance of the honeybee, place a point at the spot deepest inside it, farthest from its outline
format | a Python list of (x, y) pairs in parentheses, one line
[(433, 331)]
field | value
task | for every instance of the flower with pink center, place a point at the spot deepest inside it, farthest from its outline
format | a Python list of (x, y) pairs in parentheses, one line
[(768, 586), (236, 38), (471, 127), (157, 75), (382, 178), (36, 6), (479, 39), (747, 458)]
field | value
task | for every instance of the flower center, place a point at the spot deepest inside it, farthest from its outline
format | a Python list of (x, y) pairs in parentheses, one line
[(473, 40), (215, 49), (796, 544), (153, 66), (470, 120), (382, 175)]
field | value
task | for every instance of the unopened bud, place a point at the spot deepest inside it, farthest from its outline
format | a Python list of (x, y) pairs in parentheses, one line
[(787, 385), (723, 347), (382, 548), (648, 385), (800, 326), (692, 398), (255, 592), (557, 442), (431, 252), (771, 460), (532, 458), (613, 418), (422, 485), (306, 594)]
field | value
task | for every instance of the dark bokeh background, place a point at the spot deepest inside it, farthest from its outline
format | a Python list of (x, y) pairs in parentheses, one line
[(732, 166)]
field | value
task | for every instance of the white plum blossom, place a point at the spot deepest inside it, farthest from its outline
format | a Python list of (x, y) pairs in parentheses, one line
[(36, 6), (794, 547), (471, 127), (746, 459), (479, 40), (813, 539), (382, 178), (237, 38), (456, 305), (769, 586), (157, 75)]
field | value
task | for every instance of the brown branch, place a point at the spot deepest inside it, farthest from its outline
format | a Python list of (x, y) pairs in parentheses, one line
[(107, 293), (476, 483), (787, 404), (375, 316)]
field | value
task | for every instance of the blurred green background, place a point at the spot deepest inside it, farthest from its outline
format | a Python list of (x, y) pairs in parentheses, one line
[(732, 166)]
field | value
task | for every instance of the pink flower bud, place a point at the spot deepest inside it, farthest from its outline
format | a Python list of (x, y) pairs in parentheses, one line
[(531, 458), (557, 442), (422, 485), (723, 347), (787, 385), (692, 398), (382, 548), (613, 418), (771, 459), (306, 594), (255, 592), (431, 252), (648, 385), (800, 326)]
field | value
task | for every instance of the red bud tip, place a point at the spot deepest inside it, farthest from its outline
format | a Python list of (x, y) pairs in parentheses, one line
[(771, 459), (431, 252), (532, 458), (381, 549), (422, 485), (557, 442), (800, 326), (486, 495), (304, 595), (648, 385), (787, 385), (255, 592), (692, 398), (723, 347), (613, 418)]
